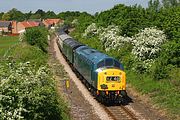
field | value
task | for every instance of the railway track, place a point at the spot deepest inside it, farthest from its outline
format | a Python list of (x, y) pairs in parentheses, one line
[(120, 113)]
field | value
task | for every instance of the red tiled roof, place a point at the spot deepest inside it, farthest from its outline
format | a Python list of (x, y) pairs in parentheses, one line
[(28, 24), (52, 21)]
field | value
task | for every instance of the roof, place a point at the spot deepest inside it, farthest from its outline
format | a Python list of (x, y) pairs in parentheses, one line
[(93, 55), (28, 24), (5, 23), (97, 57), (52, 21)]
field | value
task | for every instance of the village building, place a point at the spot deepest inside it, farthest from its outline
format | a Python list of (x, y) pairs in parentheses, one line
[(5, 27), (50, 23), (22, 26)]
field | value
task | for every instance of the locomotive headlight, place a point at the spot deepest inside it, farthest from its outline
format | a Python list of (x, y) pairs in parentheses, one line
[(104, 86)]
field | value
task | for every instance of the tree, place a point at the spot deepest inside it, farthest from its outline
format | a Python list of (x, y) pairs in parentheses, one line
[(16, 15), (41, 13), (37, 36), (6, 16), (154, 5), (35, 16), (169, 3), (28, 15), (50, 14), (1, 14)]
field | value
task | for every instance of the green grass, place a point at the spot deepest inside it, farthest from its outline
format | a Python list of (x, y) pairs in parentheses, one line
[(163, 93), (6, 42)]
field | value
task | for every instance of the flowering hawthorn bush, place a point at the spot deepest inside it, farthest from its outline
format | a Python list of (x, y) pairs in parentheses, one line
[(91, 30), (75, 22), (146, 44), (109, 36), (26, 93)]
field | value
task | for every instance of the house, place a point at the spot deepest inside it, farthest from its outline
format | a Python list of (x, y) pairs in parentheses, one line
[(49, 23), (37, 20), (5, 26), (22, 26)]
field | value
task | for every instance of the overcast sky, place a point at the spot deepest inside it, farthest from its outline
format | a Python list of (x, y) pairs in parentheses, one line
[(90, 6)]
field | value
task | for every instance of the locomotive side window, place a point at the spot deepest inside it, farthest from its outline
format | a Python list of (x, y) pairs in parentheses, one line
[(116, 64), (112, 78), (101, 64), (109, 62)]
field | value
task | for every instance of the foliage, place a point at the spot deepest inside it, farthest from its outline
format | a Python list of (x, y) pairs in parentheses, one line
[(6, 16), (1, 14), (149, 53), (91, 30), (27, 93), (27, 89), (37, 36), (147, 43)]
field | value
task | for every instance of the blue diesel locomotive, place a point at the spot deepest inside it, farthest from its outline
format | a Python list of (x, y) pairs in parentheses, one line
[(103, 75)]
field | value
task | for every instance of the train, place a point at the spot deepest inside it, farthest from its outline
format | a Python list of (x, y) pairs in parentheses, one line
[(103, 75)]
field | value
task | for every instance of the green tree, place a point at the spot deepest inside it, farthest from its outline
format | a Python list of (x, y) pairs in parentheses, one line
[(37, 36), (169, 3), (6, 16), (50, 14), (41, 13), (1, 14), (35, 16), (154, 5), (16, 15)]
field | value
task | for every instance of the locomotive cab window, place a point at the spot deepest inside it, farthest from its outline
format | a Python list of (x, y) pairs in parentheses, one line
[(112, 78), (109, 62), (116, 64)]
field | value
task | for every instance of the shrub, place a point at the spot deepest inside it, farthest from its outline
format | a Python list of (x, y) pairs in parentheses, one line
[(37, 36), (26, 93)]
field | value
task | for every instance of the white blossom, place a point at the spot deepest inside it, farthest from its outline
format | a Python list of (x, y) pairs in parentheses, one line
[(147, 43)]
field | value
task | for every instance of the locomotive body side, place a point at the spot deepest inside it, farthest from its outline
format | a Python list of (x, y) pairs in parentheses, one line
[(103, 73)]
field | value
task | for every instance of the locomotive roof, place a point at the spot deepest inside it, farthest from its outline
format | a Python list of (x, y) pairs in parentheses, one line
[(92, 54), (64, 36)]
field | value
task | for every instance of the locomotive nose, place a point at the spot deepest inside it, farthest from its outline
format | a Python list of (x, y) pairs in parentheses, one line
[(111, 80)]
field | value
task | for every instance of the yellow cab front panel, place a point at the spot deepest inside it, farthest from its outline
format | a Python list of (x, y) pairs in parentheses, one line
[(111, 80)]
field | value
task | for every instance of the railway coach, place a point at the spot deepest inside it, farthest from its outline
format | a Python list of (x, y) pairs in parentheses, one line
[(103, 75)]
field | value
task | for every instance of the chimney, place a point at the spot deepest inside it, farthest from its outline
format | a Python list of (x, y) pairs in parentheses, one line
[(14, 27)]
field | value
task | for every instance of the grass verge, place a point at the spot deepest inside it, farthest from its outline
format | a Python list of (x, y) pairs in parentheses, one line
[(6, 42)]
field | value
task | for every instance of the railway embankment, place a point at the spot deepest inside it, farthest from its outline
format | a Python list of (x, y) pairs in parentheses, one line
[(27, 87)]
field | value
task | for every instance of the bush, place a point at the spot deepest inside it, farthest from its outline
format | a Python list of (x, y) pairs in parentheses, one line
[(27, 93), (37, 36)]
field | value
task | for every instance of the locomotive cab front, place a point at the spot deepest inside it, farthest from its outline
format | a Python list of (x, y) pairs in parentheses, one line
[(111, 79)]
